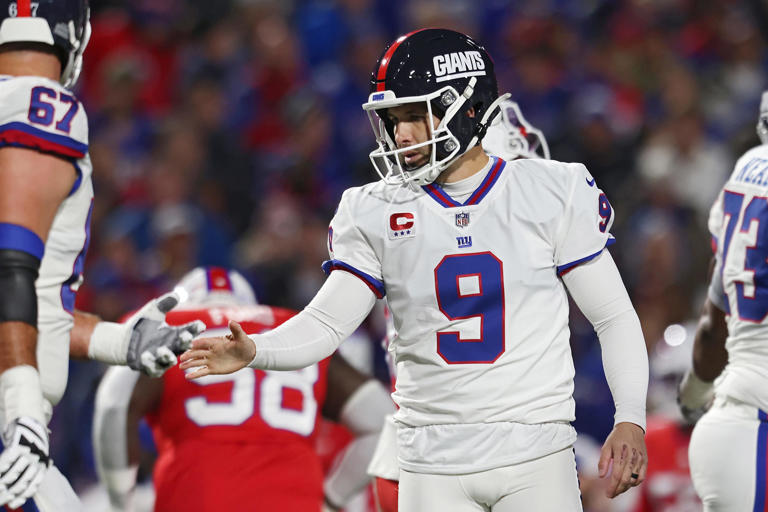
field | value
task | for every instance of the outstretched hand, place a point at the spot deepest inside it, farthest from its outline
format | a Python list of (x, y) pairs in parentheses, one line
[(153, 344), (623, 458), (225, 354)]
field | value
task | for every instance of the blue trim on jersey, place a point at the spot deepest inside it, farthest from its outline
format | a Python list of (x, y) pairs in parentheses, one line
[(446, 201), (374, 284), (19, 238), (490, 180), (564, 268), (440, 196), (762, 442), (55, 138), (78, 180)]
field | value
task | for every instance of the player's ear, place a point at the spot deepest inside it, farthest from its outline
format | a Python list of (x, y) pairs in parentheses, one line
[(471, 112)]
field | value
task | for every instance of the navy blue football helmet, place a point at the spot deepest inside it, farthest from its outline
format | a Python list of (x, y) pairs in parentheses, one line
[(449, 72), (63, 24)]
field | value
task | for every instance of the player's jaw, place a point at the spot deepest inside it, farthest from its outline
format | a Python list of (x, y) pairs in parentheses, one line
[(414, 158)]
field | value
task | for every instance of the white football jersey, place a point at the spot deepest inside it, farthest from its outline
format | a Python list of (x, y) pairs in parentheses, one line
[(40, 114), (738, 223), (482, 349)]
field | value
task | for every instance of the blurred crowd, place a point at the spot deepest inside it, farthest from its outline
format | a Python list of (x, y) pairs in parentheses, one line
[(224, 133)]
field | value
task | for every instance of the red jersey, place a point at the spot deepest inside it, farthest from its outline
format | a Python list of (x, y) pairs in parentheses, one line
[(244, 441), (667, 486)]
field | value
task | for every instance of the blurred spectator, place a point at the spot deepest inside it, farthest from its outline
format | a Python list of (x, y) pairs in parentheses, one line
[(224, 132)]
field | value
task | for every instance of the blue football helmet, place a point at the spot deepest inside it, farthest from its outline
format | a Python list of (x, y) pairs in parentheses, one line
[(448, 72), (63, 24)]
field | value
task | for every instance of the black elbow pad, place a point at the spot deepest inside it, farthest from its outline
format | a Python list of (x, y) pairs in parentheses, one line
[(18, 297)]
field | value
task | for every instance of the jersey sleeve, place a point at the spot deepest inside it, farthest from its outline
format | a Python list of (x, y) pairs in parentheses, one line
[(349, 248), (39, 114), (584, 230), (716, 292)]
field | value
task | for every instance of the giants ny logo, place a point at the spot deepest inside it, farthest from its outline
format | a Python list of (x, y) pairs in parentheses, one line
[(401, 225), (464, 241), (458, 65)]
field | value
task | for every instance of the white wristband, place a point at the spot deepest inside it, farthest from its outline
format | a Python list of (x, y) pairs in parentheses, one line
[(22, 394), (694, 392), (109, 343), (120, 484)]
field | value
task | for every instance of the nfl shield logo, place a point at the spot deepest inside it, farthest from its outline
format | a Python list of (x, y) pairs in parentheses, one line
[(462, 219)]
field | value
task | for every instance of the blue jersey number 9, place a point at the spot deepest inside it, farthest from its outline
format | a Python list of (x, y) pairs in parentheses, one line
[(471, 286)]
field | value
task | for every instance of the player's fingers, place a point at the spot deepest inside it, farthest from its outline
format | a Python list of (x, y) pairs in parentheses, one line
[(193, 356), (606, 455), (10, 475), (21, 486), (164, 358), (196, 327), (5, 496), (203, 343), (627, 479), (619, 474), (641, 469), (167, 302), (237, 330), (35, 484), (200, 371)]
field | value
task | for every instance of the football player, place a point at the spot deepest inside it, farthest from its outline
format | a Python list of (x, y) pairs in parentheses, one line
[(474, 255), (728, 453), (46, 199), (241, 441), (510, 136)]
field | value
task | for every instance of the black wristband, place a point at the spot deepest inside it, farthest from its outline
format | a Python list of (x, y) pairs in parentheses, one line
[(18, 297)]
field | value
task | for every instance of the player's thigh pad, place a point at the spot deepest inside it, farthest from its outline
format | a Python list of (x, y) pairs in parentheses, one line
[(727, 455), (546, 484), (54, 495)]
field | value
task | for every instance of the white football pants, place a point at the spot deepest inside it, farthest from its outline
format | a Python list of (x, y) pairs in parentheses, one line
[(547, 484), (727, 455)]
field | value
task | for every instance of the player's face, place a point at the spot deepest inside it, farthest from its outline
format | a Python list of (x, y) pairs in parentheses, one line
[(411, 126)]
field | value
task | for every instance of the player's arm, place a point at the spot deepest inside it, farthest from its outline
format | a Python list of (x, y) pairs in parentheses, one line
[(709, 354), (361, 404), (123, 398), (599, 292), (143, 342), (339, 307), (32, 187)]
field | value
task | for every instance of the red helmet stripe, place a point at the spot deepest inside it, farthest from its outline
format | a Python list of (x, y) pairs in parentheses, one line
[(23, 8), (382, 73), (218, 279)]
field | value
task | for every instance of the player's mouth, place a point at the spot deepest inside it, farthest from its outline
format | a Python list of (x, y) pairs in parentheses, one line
[(413, 159)]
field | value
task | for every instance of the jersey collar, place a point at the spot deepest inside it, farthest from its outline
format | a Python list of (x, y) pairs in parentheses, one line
[(446, 201)]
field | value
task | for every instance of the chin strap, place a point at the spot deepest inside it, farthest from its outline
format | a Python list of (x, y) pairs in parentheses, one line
[(485, 122)]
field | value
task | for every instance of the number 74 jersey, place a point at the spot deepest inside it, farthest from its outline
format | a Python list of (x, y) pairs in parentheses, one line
[(474, 287), (738, 223)]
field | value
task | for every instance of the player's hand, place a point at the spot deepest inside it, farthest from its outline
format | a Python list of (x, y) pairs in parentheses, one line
[(225, 354), (154, 344), (694, 397), (24, 461), (623, 458)]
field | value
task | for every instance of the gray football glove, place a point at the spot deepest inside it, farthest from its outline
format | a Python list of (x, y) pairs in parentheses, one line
[(154, 344)]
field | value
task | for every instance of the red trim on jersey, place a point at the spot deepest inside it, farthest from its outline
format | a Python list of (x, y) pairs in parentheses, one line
[(20, 138), (218, 279), (384, 64), (24, 8)]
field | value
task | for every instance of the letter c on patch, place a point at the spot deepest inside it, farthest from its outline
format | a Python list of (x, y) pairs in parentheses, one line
[(398, 221)]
